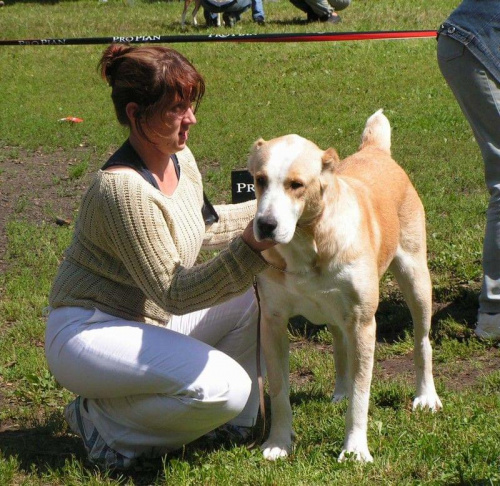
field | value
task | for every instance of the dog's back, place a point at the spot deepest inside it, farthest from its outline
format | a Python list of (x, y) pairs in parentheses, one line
[(397, 205)]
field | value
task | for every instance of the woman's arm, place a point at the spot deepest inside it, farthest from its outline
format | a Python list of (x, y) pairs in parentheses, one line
[(138, 233), (233, 219)]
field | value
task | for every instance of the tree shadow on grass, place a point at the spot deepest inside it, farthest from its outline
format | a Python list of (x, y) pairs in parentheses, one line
[(43, 2)]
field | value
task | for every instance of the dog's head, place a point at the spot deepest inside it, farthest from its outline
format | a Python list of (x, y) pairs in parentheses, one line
[(290, 174)]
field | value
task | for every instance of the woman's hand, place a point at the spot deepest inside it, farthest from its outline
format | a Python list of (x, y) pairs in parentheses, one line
[(249, 238)]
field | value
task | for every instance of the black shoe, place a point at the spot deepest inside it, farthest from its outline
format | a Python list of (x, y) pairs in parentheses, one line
[(312, 17), (259, 20), (227, 433), (229, 20), (331, 19)]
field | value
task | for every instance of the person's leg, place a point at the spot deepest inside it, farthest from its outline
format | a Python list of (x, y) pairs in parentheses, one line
[(258, 11), (231, 328), (321, 8), (339, 4), (478, 95), (233, 13), (209, 15), (302, 5), (148, 389)]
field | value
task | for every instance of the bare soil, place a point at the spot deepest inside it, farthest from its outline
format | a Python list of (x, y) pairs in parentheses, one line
[(36, 187)]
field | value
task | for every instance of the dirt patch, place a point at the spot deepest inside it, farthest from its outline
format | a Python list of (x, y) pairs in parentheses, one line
[(37, 187), (461, 375)]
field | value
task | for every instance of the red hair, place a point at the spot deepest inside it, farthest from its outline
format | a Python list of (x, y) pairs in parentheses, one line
[(156, 78)]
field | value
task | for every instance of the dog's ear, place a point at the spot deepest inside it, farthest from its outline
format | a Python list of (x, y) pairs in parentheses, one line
[(329, 159), (253, 154)]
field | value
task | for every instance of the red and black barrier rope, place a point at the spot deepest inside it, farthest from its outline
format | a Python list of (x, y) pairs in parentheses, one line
[(172, 39)]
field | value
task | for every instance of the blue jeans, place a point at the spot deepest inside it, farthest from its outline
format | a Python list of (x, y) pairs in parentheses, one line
[(257, 10), (478, 94)]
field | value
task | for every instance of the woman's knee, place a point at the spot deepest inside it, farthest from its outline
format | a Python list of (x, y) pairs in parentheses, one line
[(237, 386), (222, 389), (240, 388)]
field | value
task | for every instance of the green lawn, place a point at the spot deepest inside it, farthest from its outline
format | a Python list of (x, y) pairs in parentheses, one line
[(321, 90)]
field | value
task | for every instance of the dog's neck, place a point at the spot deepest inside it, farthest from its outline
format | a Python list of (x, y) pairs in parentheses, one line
[(337, 233), (298, 257)]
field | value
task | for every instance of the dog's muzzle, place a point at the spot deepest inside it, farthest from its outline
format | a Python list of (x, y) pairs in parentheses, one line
[(266, 227)]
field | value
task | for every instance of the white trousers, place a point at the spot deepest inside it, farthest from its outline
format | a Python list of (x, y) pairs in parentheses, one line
[(150, 389)]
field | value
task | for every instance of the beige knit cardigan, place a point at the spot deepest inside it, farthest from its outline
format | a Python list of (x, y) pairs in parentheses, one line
[(134, 249)]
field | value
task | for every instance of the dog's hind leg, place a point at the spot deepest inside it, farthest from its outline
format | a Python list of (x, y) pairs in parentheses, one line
[(412, 275), (341, 390), (184, 13)]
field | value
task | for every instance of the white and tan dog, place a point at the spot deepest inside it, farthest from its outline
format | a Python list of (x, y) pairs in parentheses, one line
[(197, 4), (339, 226)]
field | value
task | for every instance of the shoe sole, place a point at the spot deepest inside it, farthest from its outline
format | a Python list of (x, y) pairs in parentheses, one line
[(486, 335)]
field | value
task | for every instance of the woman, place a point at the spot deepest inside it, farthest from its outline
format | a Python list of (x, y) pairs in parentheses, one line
[(159, 350)]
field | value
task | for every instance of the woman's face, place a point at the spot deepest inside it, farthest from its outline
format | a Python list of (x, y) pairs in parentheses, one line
[(168, 131)]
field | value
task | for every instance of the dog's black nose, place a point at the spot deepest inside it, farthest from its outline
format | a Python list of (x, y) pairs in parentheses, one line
[(266, 227)]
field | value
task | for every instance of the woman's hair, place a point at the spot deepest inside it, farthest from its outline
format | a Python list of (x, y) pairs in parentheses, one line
[(156, 78)]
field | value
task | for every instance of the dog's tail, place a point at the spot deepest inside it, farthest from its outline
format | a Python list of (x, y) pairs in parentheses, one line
[(377, 132)]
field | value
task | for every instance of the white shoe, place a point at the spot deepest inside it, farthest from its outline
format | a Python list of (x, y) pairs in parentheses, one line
[(488, 326)]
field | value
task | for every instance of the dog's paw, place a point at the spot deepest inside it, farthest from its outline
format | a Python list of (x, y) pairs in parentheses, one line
[(430, 401), (356, 448), (358, 455), (338, 396), (273, 451)]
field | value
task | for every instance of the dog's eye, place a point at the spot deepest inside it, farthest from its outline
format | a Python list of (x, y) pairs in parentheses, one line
[(296, 185), (261, 181)]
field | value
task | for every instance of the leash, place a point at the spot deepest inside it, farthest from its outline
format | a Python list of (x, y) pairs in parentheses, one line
[(262, 404)]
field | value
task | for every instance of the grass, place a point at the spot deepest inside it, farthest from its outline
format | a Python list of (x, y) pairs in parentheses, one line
[(323, 91)]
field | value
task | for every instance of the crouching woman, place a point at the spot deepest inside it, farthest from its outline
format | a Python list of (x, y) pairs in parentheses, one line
[(158, 349)]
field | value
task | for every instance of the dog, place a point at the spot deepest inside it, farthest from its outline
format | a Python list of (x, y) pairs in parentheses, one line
[(197, 4), (338, 225)]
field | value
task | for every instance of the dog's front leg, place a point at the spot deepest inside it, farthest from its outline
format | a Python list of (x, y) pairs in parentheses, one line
[(276, 348), (341, 390), (360, 341), (184, 13)]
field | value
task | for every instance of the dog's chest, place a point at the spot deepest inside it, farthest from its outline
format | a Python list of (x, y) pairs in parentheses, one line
[(320, 296)]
